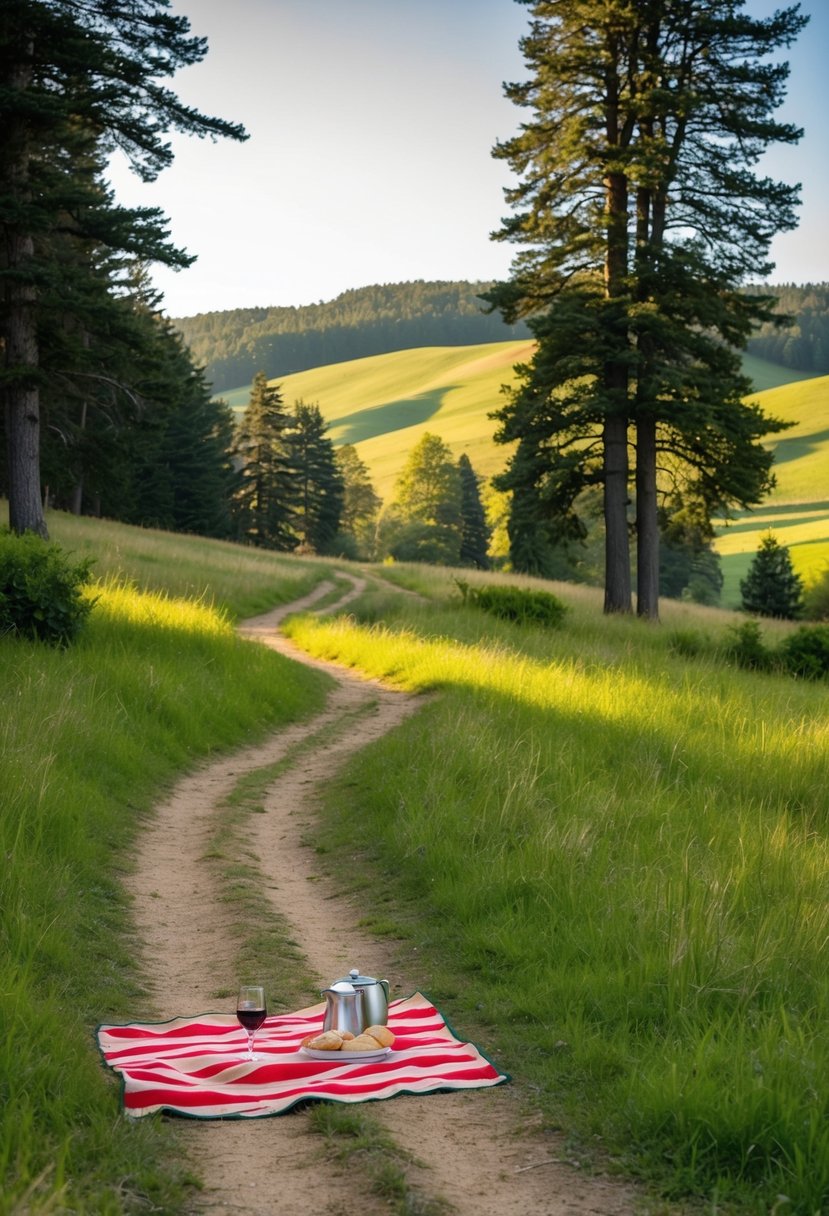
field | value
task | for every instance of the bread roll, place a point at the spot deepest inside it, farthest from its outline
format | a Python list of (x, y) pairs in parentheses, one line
[(382, 1034), (364, 1042), (329, 1040)]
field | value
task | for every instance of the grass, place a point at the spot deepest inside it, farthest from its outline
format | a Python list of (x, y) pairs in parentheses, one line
[(358, 1141), (603, 857), (89, 739), (798, 509), (384, 404), (614, 861)]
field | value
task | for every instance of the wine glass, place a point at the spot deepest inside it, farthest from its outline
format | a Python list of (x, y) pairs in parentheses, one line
[(251, 1012)]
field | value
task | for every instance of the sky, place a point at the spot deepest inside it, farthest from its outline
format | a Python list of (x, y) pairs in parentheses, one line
[(371, 125)]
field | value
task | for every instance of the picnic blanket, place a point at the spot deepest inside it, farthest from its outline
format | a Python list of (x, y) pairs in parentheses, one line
[(194, 1065)]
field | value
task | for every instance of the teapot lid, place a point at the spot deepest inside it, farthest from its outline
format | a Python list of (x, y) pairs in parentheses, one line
[(355, 978), (344, 986)]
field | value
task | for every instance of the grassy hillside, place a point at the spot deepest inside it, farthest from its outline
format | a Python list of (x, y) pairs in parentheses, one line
[(384, 404), (798, 509)]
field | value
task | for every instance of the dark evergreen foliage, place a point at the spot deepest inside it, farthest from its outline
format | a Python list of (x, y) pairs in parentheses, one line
[(640, 218), (316, 482), (264, 504), (366, 321), (771, 587), (798, 336), (78, 79), (475, 532)]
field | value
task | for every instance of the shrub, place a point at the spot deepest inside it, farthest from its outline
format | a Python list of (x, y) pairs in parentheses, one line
[(515, 604), (746, 647), (40, 590), (689, 643), (806, 652)]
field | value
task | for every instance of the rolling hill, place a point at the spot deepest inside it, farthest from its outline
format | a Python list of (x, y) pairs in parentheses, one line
[(383, 404), (798, 509)]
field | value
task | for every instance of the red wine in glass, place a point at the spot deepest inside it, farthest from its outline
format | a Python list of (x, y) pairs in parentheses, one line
[(251, 1011)]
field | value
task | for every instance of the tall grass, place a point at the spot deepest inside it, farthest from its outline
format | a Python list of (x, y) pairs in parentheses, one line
[(617, 860), (242, 579), (89, 737)]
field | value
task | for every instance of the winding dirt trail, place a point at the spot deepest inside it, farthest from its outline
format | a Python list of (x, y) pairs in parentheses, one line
[(474, 1150)]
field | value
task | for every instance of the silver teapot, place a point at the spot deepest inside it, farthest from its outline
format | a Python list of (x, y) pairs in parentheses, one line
[(344, 1008), (375, 994)]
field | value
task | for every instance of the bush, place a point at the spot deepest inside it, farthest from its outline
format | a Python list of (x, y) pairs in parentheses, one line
[(805, 652), (747, 649), (515, 604), (40, 590), (689, 643)]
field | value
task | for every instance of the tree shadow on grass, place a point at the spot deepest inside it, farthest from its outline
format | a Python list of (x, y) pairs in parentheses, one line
[(785, 515), (798, 445), (391, 416)]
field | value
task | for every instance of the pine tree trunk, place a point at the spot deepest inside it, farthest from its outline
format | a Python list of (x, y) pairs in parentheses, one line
[(617, 544), (647, 524), (617, 589), (19, 328), (22, 400)]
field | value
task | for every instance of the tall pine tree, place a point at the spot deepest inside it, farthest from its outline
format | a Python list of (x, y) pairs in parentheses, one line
[(475, 532), (264, 508), (641, 216), (317, 482), (78, 78)]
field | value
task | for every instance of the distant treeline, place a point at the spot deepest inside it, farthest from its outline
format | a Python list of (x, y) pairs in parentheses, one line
[(233, 346), (803, 345)]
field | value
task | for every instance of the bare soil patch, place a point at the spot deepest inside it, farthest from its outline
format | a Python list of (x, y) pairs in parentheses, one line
[(478, 1151)]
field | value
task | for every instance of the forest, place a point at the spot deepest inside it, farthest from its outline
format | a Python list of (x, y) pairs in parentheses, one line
[(233, 345), (804, 344)]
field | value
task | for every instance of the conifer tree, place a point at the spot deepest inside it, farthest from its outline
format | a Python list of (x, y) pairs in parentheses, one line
[(361, 503), (264, 505), (78, 78), (640, 216), (317, 482), (475, 532), (771, 587)]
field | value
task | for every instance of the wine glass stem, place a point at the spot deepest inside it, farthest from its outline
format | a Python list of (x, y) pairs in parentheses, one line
[(251, 1034)]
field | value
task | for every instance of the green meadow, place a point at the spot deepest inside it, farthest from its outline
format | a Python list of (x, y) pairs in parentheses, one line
[(606, 859), (797, 511), (614, 860), (385, 403), (90, 738)]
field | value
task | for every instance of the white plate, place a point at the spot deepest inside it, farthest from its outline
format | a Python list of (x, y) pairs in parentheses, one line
[(335, 1056)]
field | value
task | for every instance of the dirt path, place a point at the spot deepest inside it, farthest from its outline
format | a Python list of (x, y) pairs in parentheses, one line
[(474, 1149)]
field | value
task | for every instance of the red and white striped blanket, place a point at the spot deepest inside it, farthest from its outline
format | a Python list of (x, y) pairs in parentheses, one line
[(194, 1066)]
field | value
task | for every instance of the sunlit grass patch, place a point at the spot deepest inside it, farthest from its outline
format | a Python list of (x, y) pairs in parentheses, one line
[(89, 737), (619, 858)]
